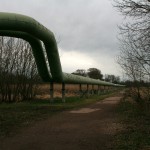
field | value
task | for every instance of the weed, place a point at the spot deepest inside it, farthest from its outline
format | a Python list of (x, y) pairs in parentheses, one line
[(136, 123)]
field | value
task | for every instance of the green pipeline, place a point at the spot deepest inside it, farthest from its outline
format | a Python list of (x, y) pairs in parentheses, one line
[(27, 28)]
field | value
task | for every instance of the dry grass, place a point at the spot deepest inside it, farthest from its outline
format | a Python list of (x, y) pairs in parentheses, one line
[(71, 90), (136, 122)]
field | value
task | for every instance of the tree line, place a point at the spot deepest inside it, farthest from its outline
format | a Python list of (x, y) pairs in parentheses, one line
[(97, 74)]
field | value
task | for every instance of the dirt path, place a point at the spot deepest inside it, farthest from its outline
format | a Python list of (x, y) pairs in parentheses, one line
[(90, 128)]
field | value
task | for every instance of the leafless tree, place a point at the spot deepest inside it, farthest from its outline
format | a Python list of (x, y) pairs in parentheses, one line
[(18, 71), (134, 39), (112, 78)]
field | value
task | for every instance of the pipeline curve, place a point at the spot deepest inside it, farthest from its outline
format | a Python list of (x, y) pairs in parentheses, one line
[(27, 28)]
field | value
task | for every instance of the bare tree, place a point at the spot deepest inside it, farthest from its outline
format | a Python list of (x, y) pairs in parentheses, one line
[(134, 57), (18, 71), (112, 78)]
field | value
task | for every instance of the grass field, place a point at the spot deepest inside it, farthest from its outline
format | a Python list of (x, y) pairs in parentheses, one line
[(135, 120), (71, 90), (13, 116)]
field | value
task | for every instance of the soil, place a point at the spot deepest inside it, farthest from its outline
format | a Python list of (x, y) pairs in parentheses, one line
[(89, 128)]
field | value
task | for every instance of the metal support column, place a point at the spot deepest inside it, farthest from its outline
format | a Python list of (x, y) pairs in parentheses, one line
[(98, 92), (108, 89), (63, 92), (87, 90), (51, 92), (80, 90), (104, 89), (92, 89)]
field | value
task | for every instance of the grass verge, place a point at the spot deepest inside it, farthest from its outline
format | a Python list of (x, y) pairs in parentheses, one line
[(13, 116), (135, 120)]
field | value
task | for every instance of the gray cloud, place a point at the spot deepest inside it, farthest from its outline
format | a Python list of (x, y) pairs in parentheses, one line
[(87, 26)]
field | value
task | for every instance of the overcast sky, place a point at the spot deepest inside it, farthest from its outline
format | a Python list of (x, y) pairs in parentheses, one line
[(86, 30)]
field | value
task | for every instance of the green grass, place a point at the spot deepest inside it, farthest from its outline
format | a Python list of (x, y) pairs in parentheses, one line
[(136, 127), (13, 116)]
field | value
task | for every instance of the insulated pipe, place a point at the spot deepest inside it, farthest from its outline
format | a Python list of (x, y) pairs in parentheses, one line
[(16, 25), (17, 22)]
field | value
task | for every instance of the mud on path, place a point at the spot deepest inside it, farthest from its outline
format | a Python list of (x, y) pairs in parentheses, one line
[(89, 128)]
